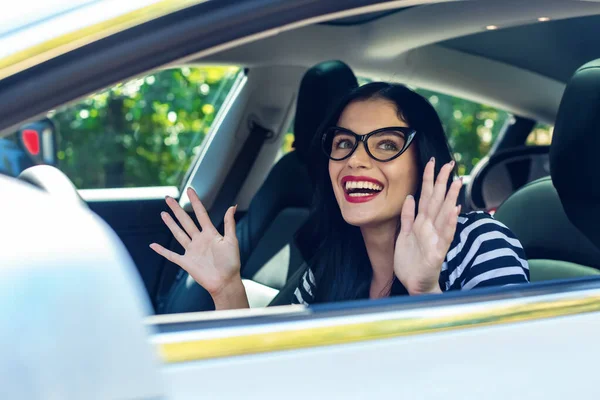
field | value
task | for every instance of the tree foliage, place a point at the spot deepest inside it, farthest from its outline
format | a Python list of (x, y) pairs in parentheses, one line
[(471, 127), (143, 132)]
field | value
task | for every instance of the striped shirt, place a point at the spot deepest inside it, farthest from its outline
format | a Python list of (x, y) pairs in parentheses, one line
[(484, 253)]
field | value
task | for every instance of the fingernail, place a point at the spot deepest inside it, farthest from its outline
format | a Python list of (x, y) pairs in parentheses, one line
[(432, 159), (410, 196), (167, 197), (235, 208), (163, 214), (452, 163)]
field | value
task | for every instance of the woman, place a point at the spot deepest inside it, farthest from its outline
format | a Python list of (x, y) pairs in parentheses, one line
[(385, 220)]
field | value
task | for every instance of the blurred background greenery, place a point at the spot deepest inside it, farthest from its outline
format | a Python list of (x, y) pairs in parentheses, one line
[(146, 132)]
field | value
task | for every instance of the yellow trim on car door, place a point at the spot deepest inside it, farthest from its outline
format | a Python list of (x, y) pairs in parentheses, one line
[(175, 349)]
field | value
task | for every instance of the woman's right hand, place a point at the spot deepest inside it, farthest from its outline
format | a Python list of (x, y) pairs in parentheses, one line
[(211, 259)]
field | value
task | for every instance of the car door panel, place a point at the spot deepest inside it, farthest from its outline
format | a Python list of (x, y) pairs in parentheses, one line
[(513, 361), (496, 343), (138, 223)]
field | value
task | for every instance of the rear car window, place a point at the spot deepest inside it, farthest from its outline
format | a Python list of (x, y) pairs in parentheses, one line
[(472, 128), (140, 133)]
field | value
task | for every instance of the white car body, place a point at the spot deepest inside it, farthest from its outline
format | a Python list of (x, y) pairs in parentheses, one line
[(76, 320)]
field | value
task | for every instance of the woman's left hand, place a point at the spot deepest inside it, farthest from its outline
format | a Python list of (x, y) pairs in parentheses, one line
[(423, 241)]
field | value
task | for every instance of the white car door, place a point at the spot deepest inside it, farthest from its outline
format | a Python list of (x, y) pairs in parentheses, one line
[(530, 343)]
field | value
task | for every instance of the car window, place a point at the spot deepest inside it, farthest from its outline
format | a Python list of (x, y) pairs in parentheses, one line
[(139, 133), (471, 127), (541, 135)]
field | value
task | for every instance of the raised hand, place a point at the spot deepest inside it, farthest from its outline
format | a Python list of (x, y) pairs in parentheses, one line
[(211, 259), (423, 241)]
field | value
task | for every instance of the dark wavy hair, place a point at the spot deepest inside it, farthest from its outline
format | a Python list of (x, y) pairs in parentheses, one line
[(334, 249)]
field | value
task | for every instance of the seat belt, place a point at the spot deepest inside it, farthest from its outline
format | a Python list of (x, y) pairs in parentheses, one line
[(239, 172)]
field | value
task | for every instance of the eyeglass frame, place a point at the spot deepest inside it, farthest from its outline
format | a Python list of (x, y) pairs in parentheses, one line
[(409, 132)]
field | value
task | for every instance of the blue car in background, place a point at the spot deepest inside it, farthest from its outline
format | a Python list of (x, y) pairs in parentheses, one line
[(13, 159)]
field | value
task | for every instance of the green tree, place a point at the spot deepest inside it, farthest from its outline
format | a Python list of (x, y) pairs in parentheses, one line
[(471, 127), (143, 132)]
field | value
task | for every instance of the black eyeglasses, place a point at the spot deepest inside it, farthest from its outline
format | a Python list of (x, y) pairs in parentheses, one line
[(383, 144)]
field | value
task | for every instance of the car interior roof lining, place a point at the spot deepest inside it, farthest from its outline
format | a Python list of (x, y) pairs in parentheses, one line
[(452, 30)]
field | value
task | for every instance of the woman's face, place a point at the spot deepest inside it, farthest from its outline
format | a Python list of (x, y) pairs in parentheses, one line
[(396, 179)]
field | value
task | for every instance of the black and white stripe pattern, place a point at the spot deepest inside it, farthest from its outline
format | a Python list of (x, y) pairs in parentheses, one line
[(484, 252)]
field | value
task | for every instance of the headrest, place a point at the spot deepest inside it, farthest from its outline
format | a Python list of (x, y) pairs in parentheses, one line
[(321, 88), (575, 150)]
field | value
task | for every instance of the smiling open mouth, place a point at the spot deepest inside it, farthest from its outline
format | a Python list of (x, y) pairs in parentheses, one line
[(362, 188)]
